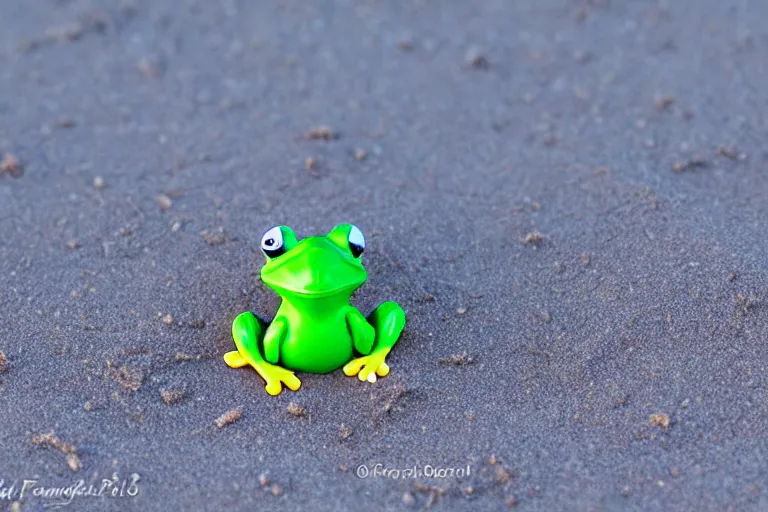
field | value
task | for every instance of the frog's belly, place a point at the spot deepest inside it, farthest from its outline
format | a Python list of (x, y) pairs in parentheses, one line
[(313, 352)]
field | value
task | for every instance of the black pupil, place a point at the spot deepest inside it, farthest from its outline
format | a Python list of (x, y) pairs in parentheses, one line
[(269, 242), (356, 249)]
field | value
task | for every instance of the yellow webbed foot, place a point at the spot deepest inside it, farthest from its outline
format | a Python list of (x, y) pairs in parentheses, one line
[(275, 377), (368, 367)]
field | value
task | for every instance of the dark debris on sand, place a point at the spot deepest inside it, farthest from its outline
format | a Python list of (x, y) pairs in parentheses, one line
[(173, 395), (457, 360), (229, 417), (52, 440), (10, 165)]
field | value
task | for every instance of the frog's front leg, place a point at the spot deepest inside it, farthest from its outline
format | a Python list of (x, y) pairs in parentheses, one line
[(246, 331), (387, 321)]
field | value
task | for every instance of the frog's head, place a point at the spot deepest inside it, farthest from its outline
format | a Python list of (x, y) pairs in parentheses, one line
[(316, 266)]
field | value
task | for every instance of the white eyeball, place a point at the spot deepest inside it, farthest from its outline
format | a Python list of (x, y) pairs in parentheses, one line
[(272, 242), (356, 241)]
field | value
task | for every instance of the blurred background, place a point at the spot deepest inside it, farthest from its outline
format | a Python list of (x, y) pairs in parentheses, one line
[(566, 196)]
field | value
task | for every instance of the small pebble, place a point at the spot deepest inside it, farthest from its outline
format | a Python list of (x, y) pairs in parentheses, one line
[(149, 67), (321, 133), (11, 165), (660, 419), (296, 410), (65, 122), (405, 44), (173, 396), (534, 238), (476, 60), (228, 417), (164, 202)]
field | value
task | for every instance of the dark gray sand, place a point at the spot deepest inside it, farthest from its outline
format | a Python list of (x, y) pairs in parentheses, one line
[(568, 198)]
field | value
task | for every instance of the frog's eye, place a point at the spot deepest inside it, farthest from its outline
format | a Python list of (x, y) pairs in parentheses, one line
[(356, 241), (272, 242)]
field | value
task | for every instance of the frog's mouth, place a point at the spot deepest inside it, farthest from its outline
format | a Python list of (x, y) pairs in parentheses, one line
[(314, 270)]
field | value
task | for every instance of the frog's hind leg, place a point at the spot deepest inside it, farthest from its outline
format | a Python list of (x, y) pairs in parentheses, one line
[(247, 332), (388, 320)]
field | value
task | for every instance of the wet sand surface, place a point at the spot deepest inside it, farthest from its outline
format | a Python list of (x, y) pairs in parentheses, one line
[(568, 198)]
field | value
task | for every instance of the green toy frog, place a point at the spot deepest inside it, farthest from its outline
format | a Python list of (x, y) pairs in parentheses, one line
[(316, 329)]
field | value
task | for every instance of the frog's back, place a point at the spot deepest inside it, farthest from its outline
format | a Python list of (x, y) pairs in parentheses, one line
[(315, 343)]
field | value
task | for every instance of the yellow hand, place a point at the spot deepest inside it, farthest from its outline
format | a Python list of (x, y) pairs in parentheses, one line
[(368, 367), (274, 376)]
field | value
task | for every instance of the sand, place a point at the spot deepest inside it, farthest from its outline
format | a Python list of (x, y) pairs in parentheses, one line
[(567, 198)]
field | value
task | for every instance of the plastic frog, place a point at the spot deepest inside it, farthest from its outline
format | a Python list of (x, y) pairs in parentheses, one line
[(316, 329)]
